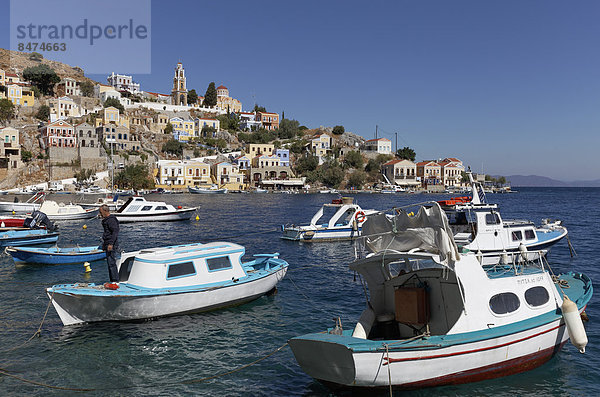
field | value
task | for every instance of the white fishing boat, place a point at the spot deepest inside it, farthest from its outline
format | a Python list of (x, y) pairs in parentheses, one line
[(169, 281), (478, 226), (32, 204), (137, 209), (213, 189), (435, 316), (341, 219), (62, 212)]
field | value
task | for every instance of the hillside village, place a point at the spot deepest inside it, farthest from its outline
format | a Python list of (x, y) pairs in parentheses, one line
[(56, 123)]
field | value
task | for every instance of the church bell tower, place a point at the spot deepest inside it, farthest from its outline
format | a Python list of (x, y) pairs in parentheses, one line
[(179, 92)]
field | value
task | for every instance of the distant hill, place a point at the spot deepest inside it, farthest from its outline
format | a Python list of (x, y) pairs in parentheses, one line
[(542, 181)]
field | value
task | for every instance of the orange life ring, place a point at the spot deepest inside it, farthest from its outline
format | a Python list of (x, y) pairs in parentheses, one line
[(360, 217)]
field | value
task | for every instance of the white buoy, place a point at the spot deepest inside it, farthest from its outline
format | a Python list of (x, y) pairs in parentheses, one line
[(523, 251), (574, 324), (479, 256), (504, 258)]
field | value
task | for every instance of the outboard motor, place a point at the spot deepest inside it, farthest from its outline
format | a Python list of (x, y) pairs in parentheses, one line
[(37, 220)]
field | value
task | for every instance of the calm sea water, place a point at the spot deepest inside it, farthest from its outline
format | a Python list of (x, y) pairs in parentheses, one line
[(158, 357)]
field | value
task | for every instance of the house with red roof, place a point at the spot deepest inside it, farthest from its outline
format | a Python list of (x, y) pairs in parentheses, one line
[(379, 145), (452, 171), (430, 172)]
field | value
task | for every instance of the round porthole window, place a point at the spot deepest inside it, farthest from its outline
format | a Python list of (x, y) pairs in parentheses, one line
[(537, 296)]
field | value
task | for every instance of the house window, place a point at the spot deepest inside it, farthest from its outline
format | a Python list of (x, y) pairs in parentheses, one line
[(220, 263), (181, 270)]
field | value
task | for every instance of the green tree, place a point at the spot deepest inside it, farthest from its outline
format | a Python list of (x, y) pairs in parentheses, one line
[(43, 113), (502, 180), (114, 102), (135, 177), (26, 156), (338, 130), (357, 179), (288, 129), (43, 77), (374, 165), (210, 98), (36, 56), (406, 153), (307, 164), (169, 128), (192, 97), (85, 175), (86, 88), (7, 110), (36, 91), (298, 146), (353, 159), (208, 131), (333, 176), (259, 108), (173, 146), (224, 121)]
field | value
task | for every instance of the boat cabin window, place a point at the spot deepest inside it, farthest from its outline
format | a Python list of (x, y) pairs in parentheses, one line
[(504, 303), (220, 263), (146, 208), (125, 269), (529, 234), (537, 296), (492, 219), (516, 235), (181, 270), (161, 208)]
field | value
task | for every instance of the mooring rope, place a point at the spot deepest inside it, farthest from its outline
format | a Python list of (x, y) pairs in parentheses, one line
[(38, 332)]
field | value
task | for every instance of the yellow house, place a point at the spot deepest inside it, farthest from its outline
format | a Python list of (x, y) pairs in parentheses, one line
[(265, 160), (111, 115), (2, 77), (196, 173), (257, 149), (228, 175), (19, 95), (183, 130)]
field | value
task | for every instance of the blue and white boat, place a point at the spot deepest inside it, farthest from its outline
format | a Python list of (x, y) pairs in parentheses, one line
[(478, 226), (27, 237), (56, 255), (171, 280), (435, 316), (342, 219)]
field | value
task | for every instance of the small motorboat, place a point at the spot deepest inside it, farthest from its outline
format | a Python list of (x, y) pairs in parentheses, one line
[(214, 189), (32, 204), (435, 316), (62, 212), (137, 209), (341, 219), (478, 226), (27, 237), (173, 280), (55, 255)]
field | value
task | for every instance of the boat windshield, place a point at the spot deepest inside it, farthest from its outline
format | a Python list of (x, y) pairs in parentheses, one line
[(330, 212)]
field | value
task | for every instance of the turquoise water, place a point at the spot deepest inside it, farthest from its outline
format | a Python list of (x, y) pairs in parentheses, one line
[(166, 356)]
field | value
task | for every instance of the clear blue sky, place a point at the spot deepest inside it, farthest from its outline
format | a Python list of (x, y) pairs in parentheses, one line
[(510, 85)]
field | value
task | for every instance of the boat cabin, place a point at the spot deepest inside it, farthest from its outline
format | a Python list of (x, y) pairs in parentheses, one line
[(140, 205), (416, 293), (182, 265)]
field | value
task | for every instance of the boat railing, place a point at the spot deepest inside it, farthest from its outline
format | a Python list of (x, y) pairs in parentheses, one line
[(512, 263)]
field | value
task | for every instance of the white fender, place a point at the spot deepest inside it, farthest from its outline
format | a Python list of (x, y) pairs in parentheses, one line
[(365, 322), (574, 324)]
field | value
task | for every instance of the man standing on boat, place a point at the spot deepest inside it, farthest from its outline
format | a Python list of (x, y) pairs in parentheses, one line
[(110, 241)]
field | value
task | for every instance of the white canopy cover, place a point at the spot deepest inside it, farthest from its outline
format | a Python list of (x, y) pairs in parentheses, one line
[(428, 230)]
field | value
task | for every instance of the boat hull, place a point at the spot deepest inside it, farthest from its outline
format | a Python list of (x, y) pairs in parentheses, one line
[(194, 190), (322, 235), (27, 237), (55, 256), (179, 215), (126, 305), (18, 207), (73, 216), (338, 366)]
